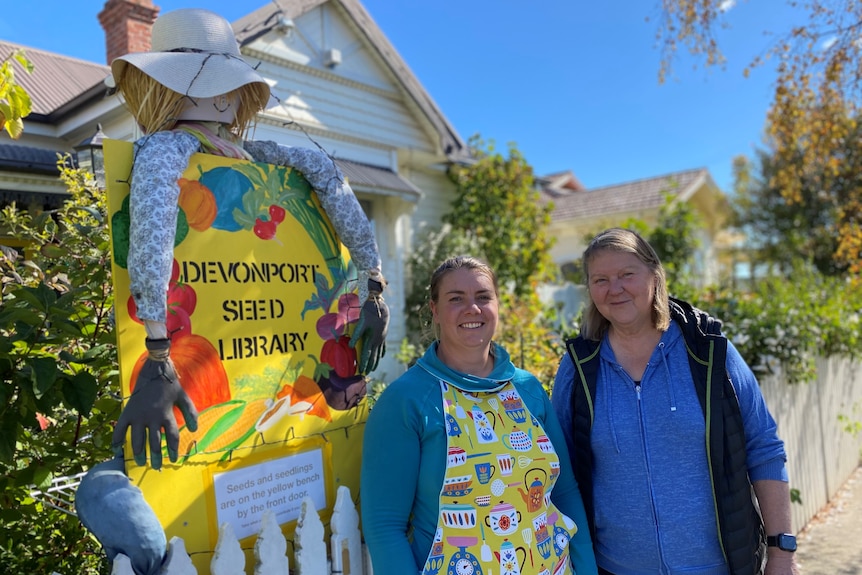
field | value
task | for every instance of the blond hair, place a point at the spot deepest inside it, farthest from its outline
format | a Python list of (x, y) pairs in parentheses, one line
[(594, 325)]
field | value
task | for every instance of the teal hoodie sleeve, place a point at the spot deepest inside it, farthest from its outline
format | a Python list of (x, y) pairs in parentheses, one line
[(565, 495), (403, 460), (388, 479)]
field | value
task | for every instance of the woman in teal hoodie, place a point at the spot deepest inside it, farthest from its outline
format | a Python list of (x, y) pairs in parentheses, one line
[(465, 469)]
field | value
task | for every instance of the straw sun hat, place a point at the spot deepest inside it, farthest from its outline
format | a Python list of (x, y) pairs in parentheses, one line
[(195, 53)]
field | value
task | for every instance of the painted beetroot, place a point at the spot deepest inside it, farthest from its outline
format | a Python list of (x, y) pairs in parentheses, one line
[(265, 230)]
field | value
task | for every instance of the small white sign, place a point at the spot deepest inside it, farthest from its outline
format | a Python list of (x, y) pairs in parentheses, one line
[(243, 494)]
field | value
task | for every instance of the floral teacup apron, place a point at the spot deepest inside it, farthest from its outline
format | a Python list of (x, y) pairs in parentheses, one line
[(496, 515)]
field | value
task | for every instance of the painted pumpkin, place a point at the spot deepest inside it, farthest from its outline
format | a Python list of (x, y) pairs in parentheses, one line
[(200, 370), (199, 204)]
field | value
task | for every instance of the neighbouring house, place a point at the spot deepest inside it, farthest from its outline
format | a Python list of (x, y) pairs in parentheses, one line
[(580, 213), (339, 82)]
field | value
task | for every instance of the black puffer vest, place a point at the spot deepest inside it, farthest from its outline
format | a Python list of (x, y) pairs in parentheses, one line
[(740, 526)]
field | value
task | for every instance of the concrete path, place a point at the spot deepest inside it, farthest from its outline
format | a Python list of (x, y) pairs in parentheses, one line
[(831, 543)]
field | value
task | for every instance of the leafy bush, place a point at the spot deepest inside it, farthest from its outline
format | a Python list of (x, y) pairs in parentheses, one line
[(785, 323), (60, 392)]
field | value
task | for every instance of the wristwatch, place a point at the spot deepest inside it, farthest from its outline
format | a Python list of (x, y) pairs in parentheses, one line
[(784, 541)]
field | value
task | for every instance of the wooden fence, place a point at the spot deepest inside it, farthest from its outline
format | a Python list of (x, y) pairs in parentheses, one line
[(816, 420)]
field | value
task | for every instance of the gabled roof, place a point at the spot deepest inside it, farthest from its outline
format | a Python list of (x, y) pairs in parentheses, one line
[(261, 21), (57, 83), (560, 183), (633, 196)]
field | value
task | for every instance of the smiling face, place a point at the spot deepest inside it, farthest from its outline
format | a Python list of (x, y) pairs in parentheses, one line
[(465, 310), (622, 288)]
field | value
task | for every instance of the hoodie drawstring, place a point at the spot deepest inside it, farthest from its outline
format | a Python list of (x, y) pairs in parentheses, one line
[(670, 380)]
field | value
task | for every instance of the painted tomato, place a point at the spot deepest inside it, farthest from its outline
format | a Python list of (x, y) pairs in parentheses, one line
[(178, 323), (182, 295)]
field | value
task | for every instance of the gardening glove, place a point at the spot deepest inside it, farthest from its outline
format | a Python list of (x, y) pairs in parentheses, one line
[(150, 408), (373, 324)]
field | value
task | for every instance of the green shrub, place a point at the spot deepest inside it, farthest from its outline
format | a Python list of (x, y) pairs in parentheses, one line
[(60, 392)]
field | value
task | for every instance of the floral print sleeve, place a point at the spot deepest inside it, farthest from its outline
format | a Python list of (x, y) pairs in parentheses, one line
[(160, 160), (336, 197)]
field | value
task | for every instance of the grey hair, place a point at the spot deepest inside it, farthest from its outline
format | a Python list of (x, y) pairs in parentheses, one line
[(594, 325)]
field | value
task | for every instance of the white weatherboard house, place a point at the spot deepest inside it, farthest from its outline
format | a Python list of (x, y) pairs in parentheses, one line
[(342, 85), (579, 213), (339, 82)]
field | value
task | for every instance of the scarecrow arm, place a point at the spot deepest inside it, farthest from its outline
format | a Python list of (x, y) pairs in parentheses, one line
[(353, 229), (160, 160)]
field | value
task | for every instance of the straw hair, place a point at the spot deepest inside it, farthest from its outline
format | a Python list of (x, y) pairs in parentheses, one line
[(156, 107)]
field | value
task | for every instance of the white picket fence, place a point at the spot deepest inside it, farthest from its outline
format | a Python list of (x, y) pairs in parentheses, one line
[(345, 555)]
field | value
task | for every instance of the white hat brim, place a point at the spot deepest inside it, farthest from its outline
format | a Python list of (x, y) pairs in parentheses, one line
[(199, 75)]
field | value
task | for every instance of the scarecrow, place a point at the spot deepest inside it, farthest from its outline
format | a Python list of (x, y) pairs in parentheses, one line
[(194, 93)]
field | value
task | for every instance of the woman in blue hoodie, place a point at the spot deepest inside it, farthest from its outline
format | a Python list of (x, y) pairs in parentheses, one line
[(669, 434), (464, 466)]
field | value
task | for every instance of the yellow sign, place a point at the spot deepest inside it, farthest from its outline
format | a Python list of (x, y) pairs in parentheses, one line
[(260, 306)]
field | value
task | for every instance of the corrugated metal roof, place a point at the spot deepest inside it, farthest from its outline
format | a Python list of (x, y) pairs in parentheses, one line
[(633, 196), (56, 79), (18, 158), (376, 177), (28, 159)]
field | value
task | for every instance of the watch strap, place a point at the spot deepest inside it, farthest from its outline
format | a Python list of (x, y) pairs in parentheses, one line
[(784, 541)]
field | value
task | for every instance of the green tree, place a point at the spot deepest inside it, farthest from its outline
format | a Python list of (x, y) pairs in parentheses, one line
[(781, 231), (498, 204), (14, 100), (675, 240), (816, 104), (60, 390), (496, 216)]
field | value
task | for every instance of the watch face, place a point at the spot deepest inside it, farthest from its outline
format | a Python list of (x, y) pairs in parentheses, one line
[(786, 542)]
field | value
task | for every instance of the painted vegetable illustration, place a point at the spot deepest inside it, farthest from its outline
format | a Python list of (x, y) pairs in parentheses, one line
[(200, 371), (228, 187), (181, 300), (221, 427), (198, 203), (121, 224), (339, 355)]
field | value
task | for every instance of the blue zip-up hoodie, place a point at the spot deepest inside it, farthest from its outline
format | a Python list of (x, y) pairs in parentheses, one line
[(404, 462), (652, 497)]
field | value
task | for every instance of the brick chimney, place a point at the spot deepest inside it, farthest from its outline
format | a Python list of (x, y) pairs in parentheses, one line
[(128, 26)]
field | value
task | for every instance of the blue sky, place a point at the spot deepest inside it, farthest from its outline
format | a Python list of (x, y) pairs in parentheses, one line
[(572, 83)]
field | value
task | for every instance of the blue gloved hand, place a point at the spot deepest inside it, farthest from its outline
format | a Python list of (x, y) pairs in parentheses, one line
[(150, 409), (371, 329)]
